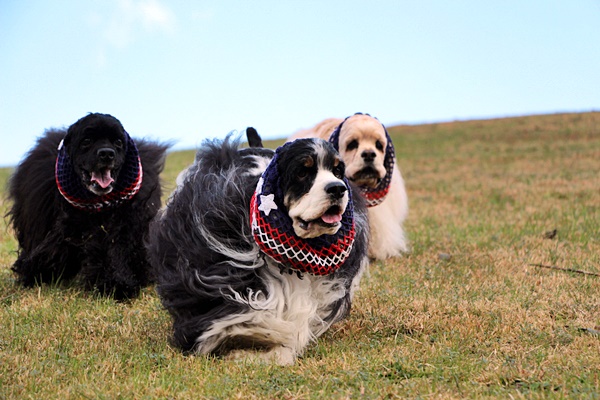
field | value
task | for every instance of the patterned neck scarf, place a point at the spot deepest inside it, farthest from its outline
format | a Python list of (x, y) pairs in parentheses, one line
[(127, 184), (273, 231), (373, 195)]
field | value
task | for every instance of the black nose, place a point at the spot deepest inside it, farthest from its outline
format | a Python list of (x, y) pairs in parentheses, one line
[(336, 189), (106, 154), (368, 155)]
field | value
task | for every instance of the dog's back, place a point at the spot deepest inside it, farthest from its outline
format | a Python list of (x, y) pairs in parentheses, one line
[(203, 230), (152, 157), (32, 189), (322, 130)]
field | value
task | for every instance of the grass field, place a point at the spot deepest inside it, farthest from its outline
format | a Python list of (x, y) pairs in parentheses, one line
[(464, 315)]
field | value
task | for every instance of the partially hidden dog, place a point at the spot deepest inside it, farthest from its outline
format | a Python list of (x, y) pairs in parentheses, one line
[(258, 252), (368, 151), (82, 201)]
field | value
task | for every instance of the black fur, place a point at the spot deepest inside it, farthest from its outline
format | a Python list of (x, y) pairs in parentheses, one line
[(211, 209), (299, 165), (254, 139), (58, 242)]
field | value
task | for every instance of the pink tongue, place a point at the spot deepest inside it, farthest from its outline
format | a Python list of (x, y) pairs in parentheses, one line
[(331, 218), (104, 179)]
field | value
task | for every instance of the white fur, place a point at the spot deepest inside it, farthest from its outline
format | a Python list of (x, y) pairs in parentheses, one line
[(314, 204), (387, 237), (181, 176), (261, 164), (291, 315)]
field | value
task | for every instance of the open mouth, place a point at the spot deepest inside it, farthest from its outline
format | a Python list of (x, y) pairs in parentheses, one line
[(100, 181), (367, 176), (330, 219)]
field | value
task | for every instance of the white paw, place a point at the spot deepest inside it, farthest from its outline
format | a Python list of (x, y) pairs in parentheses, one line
[(279, 355)]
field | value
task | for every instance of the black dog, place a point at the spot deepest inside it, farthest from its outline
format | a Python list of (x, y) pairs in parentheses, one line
[(82, 202), (258, 252)]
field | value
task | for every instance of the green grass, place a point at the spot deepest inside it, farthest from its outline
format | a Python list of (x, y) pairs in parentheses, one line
[(464, 315)]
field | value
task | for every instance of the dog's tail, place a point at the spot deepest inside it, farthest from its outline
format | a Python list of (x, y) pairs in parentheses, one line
[(254, 139)]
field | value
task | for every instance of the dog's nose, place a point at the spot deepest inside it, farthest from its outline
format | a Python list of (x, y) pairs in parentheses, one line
[(106, 154), (368, 155), (336, 189)]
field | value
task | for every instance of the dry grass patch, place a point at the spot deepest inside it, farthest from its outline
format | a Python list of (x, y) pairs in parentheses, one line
[(464, 315)]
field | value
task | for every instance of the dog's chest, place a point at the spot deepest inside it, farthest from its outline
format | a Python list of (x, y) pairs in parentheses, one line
[(308, 298), (84, 226)]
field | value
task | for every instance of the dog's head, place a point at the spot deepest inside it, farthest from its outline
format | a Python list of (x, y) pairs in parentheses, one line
[(97, 145), (312, 182), (362, 144)]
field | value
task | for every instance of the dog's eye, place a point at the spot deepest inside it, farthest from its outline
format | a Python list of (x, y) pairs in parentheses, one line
[(85, 143), (352, 145), (338, 171), (302, 174), (119, 144), (379, 145)]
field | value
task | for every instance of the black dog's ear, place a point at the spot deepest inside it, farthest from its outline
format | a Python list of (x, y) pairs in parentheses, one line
[(66, 141), (70, 132), (254, 139)]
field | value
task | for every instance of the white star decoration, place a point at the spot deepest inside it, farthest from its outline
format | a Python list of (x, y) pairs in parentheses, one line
[(267, 203)]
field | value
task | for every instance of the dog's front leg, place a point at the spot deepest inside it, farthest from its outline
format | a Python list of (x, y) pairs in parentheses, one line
[(280, 355), (54, 259), (117, 264)]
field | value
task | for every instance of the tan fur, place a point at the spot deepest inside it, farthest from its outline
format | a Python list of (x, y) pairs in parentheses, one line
[(322, 130), (386, 219)]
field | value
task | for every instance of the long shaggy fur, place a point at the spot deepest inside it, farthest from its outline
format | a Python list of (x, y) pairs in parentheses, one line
[(58, 242), (224, 295)]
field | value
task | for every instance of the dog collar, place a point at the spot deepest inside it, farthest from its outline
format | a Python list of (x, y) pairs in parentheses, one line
[(127, 184), (273, 231), (373, 196)]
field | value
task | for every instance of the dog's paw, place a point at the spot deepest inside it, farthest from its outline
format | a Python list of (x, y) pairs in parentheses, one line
[(279, 355)]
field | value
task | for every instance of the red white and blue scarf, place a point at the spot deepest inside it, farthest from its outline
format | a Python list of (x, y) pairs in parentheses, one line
[(273, 231), (127, 184)]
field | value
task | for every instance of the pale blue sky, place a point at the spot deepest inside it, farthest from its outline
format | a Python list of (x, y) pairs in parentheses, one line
[(188, 70)]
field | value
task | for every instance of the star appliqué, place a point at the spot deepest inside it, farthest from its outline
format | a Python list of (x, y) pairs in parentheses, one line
[(267, 203)]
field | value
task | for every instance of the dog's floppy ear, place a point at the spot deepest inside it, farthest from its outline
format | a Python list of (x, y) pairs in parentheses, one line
[(72, 130), (254, 139)]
